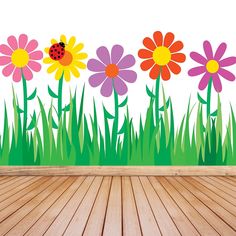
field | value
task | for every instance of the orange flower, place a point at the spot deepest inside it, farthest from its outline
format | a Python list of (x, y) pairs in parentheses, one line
[(161, 55)]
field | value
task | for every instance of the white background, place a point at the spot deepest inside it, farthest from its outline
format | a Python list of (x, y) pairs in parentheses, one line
[(109, 22)]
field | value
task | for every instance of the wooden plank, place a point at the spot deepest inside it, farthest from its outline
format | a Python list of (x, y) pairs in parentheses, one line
[(6, 179), (131, 224), (10, 182), (96, 219), (56, 219), (21, 180), (232, 178), (230, 181), (183, 224), (79, 220), (209, 199), (166, 224), (19, 188), (224, 183), (147, 220), (216, 188), (113, 221), (18, 203), (19, 195), (193, 215), (217, 223), (63, 190), (118, 170), (17, 216), (215, 197)]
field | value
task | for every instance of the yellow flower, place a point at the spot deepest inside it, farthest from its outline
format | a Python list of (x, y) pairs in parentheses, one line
[(70, 63)]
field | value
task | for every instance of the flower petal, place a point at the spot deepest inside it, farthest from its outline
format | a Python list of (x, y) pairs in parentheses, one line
[(178, 57), (23, 39), (67, 75), (155, 72), (208, 50), (147, 64), (165, 73), (48, 60), (71, 42), (17, 74), (217, 83), (106, 89), (168, 40), (80, 64), (226, 74), (35, 66), (104, 55), (144, 53), (75, 71), (36, 55), (4, 49), (176, 46), (59, 73), (220, 51), (128, 75), (32, 45), (52, 67), (158, 38), (27, 73), (78, 47), (81, 56), (116, 53), (12, 42), (197, 71), (126, 62), (229, 61), (120, 86), (95, 65), (7, 70), (174, 67), (96, 79), (148, 43), (4, 60), (204, 81), (198, 58)]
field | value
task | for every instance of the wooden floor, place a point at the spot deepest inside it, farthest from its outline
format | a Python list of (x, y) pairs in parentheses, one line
[(133, 206)]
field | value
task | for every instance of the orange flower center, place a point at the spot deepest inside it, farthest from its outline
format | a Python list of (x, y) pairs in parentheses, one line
[(66, 59), (112, 70)]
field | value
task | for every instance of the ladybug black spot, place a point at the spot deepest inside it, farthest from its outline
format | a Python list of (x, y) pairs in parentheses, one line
[(62, 49), (58, 52), (55, 58), (53, 46), (55, 50), (58, 57), (51, 51), (57, 45)]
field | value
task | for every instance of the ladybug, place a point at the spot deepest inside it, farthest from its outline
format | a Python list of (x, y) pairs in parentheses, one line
[(57, 51)]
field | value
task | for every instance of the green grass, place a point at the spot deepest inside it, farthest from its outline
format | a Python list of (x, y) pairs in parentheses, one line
[(77, 139)]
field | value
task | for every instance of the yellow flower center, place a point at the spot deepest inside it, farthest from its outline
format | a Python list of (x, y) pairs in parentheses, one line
[(66, 59), (20, 58), (161, 55), (212, 66)]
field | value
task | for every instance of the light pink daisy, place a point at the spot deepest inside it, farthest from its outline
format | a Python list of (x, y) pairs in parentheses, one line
[(20, 57)]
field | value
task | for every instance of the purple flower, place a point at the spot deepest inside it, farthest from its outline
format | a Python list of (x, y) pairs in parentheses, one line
[(212, 66), (112, 70)]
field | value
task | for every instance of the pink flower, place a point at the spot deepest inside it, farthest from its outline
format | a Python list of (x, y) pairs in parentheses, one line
[(20, 57), (212, 66)]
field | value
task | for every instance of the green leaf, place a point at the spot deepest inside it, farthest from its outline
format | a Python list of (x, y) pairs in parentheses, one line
[(51, 93), (149, 92), (200, 99), (123, 103), (107, 114), (166, 106), (214, 113), (66, 108), (54, 125), (122, 129), (32, 96), (19, 110), (32, 122)]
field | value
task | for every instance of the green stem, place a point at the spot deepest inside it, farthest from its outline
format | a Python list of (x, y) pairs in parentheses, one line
[(157, 99), (115, 122), (59, 101), (209, 98), (25, 108)]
